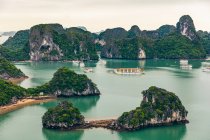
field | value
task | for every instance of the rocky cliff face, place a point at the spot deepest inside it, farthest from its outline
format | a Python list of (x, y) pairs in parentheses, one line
[(51, 42), (186, 27), (42, 46), (159, 107)]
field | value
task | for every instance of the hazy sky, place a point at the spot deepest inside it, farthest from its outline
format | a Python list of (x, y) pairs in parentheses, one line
[(98, 15)]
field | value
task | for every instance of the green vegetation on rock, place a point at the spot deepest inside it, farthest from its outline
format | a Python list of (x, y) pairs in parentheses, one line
[(63, 116), (9, 92), (167, 42), (158, 107), (16, 47), (176, 46), (66, 82), (8, 70)]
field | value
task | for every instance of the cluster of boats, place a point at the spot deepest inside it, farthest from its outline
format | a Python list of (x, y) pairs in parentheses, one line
[(138, 71)]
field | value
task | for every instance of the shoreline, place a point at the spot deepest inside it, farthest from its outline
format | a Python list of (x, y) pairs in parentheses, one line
[(17, 80), (23, 103)]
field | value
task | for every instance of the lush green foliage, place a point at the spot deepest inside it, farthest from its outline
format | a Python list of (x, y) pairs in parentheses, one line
[(16, 47), (8, 91), (19, 40), (64, 79), (64, 114), (205, 40), (157, 103), (8, 68), (176, 46), (76, 44), (19, 54)]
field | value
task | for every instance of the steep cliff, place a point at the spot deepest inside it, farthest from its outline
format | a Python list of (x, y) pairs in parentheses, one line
[(50, 42), (42, 46), (186, 27), (63, 116), (159, 107)]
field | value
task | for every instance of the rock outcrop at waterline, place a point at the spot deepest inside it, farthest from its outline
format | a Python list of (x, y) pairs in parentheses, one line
[(67, 83), (63, 116), (9, 71), (159, 107)]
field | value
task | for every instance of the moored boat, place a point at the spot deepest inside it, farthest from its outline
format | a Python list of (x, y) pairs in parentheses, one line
[(128, 71), (184, 65)]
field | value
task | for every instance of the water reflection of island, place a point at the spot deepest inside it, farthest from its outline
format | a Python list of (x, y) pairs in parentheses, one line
[(162, 133), (125, 63), (84, 104), (62, 135)]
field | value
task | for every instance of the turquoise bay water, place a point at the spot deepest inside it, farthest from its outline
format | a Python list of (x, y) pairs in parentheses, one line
[(119, 94)]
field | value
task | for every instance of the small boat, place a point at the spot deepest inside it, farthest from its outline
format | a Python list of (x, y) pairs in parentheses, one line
[(88, 70), (184, 65), (128, 71), (183, 62)]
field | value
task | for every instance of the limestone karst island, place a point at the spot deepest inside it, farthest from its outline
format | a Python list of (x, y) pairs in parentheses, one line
[(104, 70)]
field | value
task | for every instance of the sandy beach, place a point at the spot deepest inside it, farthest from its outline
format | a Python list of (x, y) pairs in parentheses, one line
[(17, 80), (22, 103)]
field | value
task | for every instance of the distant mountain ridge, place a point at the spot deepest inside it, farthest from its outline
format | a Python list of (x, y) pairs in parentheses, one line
[(53, 42)]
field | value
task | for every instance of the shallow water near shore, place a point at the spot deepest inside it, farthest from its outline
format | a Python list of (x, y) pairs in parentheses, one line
[(119, 94)]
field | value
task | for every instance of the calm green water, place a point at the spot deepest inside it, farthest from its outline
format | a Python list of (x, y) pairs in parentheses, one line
[(119, 94)]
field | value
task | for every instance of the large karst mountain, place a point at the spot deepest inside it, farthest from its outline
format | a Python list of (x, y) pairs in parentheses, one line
[(53, 42)]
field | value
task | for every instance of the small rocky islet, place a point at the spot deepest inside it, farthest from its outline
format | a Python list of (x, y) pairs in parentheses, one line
[(63, 116), (67, 83), (158, 108)]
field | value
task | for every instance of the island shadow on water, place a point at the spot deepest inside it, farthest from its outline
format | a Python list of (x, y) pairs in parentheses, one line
[(84, 104), (62, 135), (176, 132)]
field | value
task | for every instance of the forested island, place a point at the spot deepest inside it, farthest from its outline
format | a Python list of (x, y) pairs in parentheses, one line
[(63, 116), (158, 108), (66, 83), (51, 42)]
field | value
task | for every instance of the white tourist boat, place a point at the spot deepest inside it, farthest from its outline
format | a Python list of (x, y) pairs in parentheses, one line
[(184, 65), (128, 71)]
